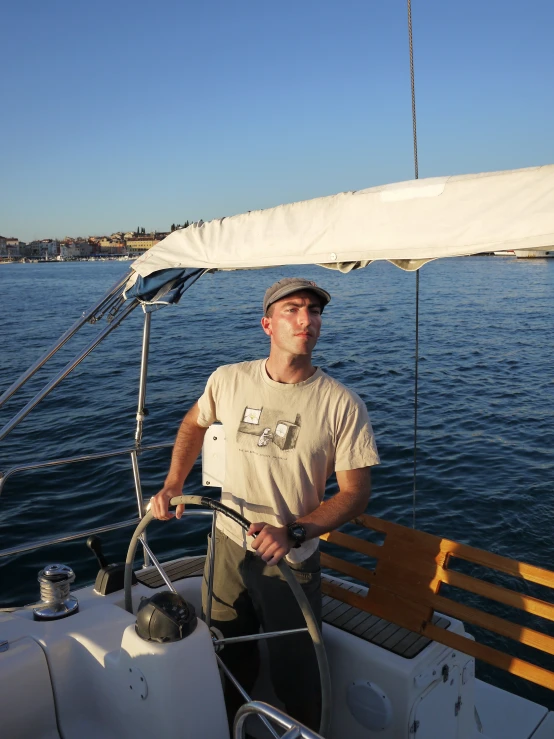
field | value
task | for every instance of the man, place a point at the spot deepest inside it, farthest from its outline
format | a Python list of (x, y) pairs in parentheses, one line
[(288, 427)]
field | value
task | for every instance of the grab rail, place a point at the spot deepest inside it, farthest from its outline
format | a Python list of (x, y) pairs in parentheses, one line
[(38, 543), (84, 458), (294, 729)]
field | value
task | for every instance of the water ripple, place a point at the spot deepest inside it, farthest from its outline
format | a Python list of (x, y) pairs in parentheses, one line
[(486, 399)]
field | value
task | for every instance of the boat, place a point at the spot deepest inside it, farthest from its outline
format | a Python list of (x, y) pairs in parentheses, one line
[(395, 658), (534, 253)]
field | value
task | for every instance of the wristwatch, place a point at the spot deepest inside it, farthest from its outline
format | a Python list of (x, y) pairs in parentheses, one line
[(297, 533)]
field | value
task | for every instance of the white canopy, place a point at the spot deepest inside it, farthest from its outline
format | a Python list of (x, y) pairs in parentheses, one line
[(408, 223)]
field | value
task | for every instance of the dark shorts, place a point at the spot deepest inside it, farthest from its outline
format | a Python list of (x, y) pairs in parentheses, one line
[(249, 595)]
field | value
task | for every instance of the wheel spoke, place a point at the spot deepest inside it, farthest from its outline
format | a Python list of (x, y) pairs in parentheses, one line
[(157, 565), (244, 694), (256, 637)]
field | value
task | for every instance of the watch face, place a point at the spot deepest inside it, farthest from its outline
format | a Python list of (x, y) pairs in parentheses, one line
[(297, 532)]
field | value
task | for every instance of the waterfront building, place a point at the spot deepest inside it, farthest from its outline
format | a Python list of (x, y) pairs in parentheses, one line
[(111, 246), (140, 243), (75, 249), (9, 247), (41, 249)]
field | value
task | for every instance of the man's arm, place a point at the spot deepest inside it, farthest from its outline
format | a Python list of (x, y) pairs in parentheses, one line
[(185, 451), (272, 542)]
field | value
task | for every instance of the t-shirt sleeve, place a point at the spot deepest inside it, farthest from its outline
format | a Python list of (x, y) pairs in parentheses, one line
[(355, 445), (207, 403)]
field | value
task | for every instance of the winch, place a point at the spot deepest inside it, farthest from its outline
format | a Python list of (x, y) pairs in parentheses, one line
[(56, 601)]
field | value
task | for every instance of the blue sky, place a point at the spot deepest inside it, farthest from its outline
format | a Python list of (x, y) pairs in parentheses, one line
[(119, 114)]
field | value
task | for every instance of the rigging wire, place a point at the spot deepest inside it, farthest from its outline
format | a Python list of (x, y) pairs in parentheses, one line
[(416, 169), (412, 80)]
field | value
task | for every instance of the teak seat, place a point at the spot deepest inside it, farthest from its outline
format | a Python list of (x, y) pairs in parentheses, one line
[(405, 588)]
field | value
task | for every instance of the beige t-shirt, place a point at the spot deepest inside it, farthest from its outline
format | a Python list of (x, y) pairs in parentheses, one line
[(282, 443)]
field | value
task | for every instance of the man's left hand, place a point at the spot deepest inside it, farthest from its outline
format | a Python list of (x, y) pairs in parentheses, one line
[(272, 542)]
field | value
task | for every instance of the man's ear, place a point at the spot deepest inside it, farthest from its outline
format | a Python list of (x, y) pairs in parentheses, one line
[(266, 325)]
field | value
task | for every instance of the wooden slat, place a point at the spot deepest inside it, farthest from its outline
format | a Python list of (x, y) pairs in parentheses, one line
[(356, 545), (499, 594), (518, 633), (347, 568), (407, 572), (509, 566), (474, 616), (513, 665)]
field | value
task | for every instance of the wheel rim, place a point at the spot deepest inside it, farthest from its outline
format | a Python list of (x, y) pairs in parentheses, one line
[(311, 623)]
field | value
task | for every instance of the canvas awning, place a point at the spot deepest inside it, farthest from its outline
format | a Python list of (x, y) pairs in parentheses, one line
[(407, 223)]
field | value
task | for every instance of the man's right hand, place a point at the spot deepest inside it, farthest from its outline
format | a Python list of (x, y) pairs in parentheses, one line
[(159, 504), (187, 448)]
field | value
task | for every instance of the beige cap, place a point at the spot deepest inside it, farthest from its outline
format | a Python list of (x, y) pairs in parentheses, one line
[(289, 285)]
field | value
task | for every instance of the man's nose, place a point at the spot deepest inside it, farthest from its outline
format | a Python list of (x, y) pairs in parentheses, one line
[(304, 317)]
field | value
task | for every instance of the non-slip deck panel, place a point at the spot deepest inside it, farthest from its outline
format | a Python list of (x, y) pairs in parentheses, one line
[(175, 570), (372, 629)]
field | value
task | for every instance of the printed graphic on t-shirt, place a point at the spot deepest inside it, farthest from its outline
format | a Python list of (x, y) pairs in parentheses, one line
[(269, 427)]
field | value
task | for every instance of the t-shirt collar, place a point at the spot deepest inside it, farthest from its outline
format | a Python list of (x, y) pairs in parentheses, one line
[(286, 386)]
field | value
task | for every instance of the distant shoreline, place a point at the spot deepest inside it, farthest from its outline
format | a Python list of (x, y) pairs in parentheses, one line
[(27, 260)]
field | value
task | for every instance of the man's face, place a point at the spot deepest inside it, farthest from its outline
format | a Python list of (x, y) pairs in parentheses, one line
[(294, 323)]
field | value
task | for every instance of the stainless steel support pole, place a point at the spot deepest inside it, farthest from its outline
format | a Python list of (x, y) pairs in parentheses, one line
[(140, 504), (138, 486), (61, 341), (211, 573), (16, 420), (141, 412)]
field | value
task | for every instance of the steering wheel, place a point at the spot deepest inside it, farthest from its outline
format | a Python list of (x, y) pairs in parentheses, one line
[(302, 600)]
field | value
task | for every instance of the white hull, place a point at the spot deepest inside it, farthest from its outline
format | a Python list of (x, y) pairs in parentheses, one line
[(90, 675), (534, 254)]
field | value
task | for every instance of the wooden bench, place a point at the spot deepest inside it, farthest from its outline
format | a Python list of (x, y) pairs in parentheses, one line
[(407, 586)]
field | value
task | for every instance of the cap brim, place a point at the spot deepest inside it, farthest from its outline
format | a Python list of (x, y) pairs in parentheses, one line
[(288, 290)]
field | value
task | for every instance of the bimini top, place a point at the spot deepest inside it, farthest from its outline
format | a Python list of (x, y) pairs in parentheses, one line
[(407, 223)]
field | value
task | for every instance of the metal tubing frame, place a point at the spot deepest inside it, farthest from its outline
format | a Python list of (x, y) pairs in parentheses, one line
[(16, 420), (87, 316), (143, 376), (141, 412), (70, 537), (295, 730), (136, 478), (72, 460), (140, 502)]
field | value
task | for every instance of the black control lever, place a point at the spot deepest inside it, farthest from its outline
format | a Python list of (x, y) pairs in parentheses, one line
[(95, 546), (110, 577)]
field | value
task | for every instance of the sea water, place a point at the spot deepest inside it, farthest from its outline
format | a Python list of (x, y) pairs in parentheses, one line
[(485, 439)]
